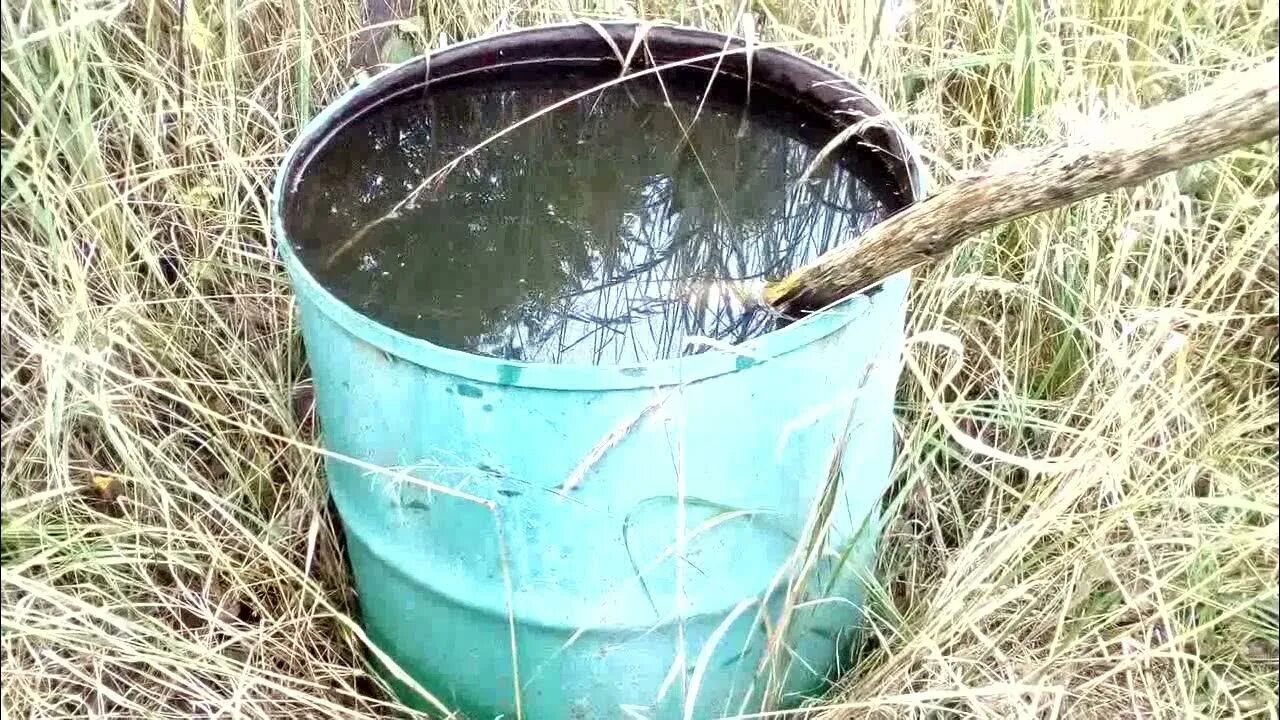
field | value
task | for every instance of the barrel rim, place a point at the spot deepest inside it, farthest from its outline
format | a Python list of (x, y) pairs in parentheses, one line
[(656, 373)]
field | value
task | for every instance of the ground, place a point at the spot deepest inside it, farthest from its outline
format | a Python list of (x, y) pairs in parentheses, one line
[(1084, 522)]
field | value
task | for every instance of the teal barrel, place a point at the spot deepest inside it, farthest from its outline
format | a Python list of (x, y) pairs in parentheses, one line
[(684, 538)]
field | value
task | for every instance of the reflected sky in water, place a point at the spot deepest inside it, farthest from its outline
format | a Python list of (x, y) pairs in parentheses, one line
[(577, 237)]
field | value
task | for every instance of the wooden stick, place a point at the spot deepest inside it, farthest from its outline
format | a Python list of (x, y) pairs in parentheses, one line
[(1236, 110)]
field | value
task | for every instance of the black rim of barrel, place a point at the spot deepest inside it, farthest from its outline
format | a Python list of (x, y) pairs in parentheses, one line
[(820, 90)]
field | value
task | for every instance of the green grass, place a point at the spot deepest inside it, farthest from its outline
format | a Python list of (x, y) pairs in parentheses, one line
[(1086, 524)]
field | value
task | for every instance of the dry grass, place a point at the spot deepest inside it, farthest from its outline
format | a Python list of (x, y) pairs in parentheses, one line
[(1086, 523)]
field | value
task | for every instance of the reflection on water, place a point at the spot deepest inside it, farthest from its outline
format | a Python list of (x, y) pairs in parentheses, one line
[(574, 238)]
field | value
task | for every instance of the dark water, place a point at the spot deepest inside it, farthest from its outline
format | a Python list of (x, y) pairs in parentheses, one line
[(577, 237)]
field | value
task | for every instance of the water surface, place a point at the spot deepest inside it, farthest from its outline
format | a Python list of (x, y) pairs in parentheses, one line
[(576, 237)]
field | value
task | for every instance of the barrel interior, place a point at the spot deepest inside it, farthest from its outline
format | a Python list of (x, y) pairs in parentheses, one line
[(528, 234)]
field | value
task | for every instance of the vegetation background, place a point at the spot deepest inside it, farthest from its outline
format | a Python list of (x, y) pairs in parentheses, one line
[(1086, 524)]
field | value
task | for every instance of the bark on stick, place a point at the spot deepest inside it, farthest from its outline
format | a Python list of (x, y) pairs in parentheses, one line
[(1236, 110)]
